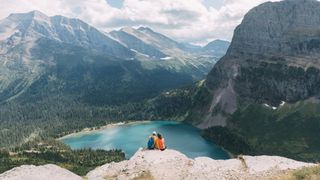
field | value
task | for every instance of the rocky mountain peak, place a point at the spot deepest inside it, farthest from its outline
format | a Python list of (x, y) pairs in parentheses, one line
[(279, 28), (127, 29), (33, 26), (142, 28), (28, 15), (38, 15)]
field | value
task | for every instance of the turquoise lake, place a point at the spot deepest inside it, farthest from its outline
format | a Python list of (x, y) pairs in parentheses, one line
[(130, 137)]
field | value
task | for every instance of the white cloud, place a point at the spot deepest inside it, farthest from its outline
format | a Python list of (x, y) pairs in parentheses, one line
[(183, 20)]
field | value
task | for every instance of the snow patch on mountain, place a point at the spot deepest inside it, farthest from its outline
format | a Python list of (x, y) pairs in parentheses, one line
[(166, 58), (274, 107)]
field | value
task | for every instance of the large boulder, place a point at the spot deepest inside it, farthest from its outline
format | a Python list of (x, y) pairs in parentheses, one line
[(45, 172)]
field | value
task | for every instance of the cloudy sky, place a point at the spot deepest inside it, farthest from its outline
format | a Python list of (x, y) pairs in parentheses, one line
[(194, 21)]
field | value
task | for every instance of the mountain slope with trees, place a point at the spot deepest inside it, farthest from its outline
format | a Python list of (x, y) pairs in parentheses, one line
[(60, 74)]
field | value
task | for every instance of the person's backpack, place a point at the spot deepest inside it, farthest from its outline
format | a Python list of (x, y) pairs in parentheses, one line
[(151, 143)]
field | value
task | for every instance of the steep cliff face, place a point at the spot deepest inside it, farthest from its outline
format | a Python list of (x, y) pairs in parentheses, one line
[(268, 82), (290, 27), (273, 57)]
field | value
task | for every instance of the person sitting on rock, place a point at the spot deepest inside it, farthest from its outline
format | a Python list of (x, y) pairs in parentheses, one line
[(160, 144), (152, 141)]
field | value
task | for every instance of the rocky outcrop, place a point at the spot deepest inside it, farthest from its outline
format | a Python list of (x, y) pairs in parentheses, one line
[(168, 164), (171, 164), (47, 172)]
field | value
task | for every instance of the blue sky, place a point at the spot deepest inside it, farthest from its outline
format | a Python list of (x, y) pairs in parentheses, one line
[(193, 21), (213, 3), (115, 3)]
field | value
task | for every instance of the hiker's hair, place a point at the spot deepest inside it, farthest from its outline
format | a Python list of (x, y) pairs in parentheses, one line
[(159, 136)]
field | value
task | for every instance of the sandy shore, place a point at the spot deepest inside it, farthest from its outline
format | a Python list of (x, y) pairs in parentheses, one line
[(96, 129)]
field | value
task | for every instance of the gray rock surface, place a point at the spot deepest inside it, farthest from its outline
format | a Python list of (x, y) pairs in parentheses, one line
[(45, 172), (168, 164), (171, 164), (288, 27)]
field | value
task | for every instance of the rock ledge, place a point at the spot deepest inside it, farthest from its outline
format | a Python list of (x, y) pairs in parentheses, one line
[(171, 164), (168, 164)]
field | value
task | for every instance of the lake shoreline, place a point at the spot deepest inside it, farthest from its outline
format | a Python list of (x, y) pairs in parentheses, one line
[(93, 129), (128, 136)]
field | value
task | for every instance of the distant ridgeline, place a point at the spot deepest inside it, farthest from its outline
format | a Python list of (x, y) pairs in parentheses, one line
[(60, 74)]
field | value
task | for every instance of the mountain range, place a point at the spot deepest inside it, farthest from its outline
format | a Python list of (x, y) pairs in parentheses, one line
[(52, 67), (30, 44), (261, 97)]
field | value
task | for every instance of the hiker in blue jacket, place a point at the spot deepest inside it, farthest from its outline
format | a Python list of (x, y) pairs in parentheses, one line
[(152, 140)]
